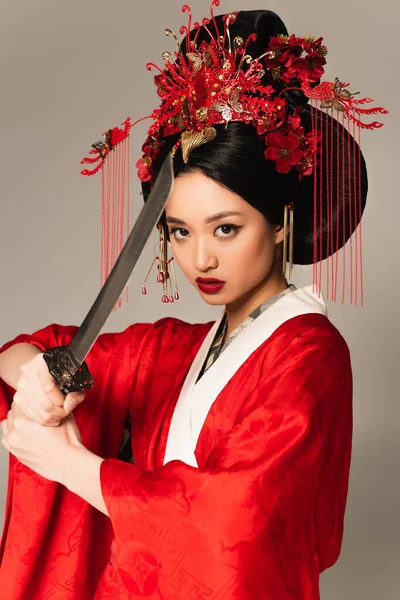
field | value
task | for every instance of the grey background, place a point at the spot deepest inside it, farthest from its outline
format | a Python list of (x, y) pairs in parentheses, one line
[(69, 70)]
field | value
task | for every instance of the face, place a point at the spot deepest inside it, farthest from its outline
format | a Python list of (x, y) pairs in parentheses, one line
[(224, 246)]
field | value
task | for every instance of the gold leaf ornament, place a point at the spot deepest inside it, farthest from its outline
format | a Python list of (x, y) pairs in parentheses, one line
[(235, 101), (207, 58), (225, 108), (193, 139), (196, 60)]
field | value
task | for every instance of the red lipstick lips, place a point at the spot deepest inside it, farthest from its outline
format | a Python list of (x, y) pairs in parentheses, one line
[(209, 285)]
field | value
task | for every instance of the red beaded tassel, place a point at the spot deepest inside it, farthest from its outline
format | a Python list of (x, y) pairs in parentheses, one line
[(112, 156), (165, 269), (315, 279), (339, 195), (115, 209), (337, 208)]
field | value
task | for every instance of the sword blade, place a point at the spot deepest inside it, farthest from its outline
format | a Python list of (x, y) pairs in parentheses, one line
[(102, 307)]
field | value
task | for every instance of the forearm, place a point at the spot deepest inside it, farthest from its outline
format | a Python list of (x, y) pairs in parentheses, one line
[(12, 359), (82, 476)]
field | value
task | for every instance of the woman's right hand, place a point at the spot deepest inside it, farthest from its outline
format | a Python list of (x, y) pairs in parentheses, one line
[(39, 397)]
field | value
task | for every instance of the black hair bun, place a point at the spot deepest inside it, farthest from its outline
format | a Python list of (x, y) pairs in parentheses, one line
[(235, 159), (264, 23)]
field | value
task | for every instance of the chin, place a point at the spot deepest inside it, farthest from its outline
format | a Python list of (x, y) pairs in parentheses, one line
[(212, 300), (215, 299)]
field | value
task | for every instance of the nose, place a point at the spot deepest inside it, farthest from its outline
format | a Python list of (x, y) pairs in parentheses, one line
[(204, 257)]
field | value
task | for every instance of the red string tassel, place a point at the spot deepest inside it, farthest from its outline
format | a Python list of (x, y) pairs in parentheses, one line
[(333, 283), (350, 173), (359, 202), (315, 232)]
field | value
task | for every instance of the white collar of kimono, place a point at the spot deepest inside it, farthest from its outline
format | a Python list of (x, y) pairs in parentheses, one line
[(196, 399)]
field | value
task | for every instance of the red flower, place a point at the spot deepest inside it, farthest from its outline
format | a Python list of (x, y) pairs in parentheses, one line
[(278, 44), (314, 45), (284, 149), (306, 165), (295, 122), (289, 72), (277, 110), (143, 165), (296, 45), (311, 67), (263, 126), (283, 50), (151, 148), (278, 54)]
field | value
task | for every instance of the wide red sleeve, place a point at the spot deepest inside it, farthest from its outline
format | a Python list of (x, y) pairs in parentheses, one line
[(48, 337), (265, 515), (54, 544)]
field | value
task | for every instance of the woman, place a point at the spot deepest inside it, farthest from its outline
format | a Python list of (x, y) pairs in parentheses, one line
[(240, 430)]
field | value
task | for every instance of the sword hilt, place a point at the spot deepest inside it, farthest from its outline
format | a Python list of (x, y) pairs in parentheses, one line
[(69, 374)]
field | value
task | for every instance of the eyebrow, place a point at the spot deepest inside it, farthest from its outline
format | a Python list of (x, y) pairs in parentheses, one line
[(217, 217)]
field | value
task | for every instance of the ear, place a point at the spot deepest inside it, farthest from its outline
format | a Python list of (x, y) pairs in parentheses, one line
[(278, 234)]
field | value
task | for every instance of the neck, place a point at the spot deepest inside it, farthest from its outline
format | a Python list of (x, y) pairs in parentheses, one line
[(237, 311)]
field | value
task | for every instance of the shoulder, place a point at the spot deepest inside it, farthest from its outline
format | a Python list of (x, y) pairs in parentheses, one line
[(312, 328), (307, 361), (310, 340), (174, 327), (167, 326), (179, 336), (168, 331)]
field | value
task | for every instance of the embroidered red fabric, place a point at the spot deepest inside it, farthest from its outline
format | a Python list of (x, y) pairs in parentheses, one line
[(260, 518)]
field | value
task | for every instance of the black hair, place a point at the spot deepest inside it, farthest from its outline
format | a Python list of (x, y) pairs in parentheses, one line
[(235, 158)]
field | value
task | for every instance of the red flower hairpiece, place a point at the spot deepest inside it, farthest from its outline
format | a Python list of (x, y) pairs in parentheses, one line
[(216, 82)]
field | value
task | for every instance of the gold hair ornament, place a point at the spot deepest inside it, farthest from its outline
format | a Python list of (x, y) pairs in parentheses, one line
[(193, 139), (288, 229), (165, 269)]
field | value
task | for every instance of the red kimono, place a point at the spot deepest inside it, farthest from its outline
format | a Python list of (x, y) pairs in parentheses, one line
[(255, 513)]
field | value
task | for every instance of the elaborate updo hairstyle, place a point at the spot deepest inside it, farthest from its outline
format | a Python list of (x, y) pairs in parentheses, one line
[(235, 158)]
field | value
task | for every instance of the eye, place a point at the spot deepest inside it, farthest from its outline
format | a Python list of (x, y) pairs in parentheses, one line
[(182, 233), (228, 230)]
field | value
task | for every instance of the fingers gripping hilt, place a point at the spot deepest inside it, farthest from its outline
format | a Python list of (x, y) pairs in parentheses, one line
[(70, 375)]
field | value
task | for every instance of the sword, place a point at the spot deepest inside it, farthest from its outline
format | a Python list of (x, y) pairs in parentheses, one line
[(66, 363)]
